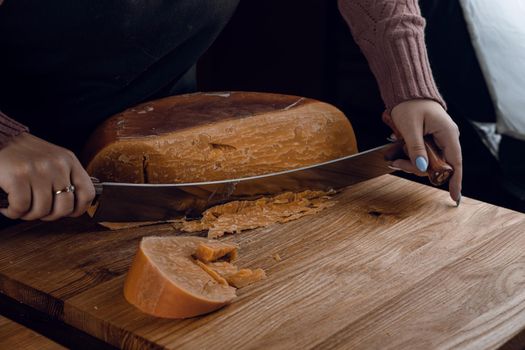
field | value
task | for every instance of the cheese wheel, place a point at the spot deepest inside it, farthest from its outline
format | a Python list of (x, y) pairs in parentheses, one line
[(216, 136), (166, 281)]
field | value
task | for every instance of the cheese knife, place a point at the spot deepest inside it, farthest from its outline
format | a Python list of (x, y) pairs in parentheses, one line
[(149, 202)]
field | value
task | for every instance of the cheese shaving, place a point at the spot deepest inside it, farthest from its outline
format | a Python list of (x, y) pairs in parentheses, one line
[(237, 216)]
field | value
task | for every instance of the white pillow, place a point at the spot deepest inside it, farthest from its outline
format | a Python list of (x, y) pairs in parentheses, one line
[(497, 30)]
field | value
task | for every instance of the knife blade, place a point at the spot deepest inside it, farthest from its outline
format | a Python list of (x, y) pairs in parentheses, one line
[(150, 202), (140, 202)]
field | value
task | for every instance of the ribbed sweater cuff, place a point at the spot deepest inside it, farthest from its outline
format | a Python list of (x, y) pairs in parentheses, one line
[(9, 128), (402, 70)]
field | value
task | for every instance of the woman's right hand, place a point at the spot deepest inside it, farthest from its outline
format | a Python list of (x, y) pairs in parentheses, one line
[(416, 118), (33, 170)]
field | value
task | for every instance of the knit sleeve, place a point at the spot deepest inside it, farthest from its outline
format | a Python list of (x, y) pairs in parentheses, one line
[(391, 35), (9, 128)]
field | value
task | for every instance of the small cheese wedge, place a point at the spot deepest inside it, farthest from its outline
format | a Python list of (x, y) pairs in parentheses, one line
[(215, 250), (233, 276), (165, 281), (180, 277), (245, 277)]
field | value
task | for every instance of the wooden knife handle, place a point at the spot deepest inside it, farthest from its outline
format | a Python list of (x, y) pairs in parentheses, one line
[(4, 203), (438, 171)]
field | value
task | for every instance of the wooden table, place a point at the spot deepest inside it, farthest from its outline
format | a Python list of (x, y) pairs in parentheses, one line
[(16, 336), (393, 265)]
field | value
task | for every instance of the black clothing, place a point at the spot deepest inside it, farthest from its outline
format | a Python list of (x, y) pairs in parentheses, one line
[(66, 66)]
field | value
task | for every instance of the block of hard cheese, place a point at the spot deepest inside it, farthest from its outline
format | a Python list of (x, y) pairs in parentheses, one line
[(215, 136)]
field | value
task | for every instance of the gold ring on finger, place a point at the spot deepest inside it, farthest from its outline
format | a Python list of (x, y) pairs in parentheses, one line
[(67, 189)]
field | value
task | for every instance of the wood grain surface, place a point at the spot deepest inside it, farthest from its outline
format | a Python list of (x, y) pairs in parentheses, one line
[(15, 336), (393, 265)]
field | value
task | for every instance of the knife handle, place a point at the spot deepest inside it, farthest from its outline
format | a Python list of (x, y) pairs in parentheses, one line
[(438, 171), (4, 203)]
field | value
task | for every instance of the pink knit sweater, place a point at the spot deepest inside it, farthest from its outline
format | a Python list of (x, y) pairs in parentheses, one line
[(390, 34)]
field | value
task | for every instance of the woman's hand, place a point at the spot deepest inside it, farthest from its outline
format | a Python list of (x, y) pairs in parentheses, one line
[(417, 118), (33, 170)]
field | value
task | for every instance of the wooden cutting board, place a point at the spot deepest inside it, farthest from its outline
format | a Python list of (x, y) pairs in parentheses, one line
[(393, 265), (16, 336)]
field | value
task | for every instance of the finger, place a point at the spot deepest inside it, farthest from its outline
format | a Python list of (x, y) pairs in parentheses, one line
[(19, 197), (41, 199), (416, 149), (63, 203), (411, 128), (454, 186), (85, 191), (448, 140), (406, 166)]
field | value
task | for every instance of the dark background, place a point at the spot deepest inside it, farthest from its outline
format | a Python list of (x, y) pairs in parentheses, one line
[(304, 47)]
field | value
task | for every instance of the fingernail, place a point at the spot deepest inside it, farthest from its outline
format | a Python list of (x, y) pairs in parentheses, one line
[(458, 201), (394, 168), (421, 164)]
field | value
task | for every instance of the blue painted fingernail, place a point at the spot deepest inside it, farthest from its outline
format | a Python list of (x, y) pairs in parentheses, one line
[(458, 201), (421, 164)]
